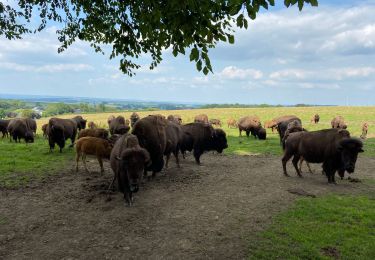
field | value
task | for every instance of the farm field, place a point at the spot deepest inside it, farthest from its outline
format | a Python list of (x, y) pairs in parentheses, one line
[(236, 205)]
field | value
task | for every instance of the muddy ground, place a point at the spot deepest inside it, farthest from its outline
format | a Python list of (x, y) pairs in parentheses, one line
[(196, 212)]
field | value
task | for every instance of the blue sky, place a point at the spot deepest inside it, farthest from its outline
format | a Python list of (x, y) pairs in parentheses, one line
[(323, 55)]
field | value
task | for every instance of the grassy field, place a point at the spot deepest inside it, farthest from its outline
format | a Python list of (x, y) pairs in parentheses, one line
[(331, 227), (20, 163)]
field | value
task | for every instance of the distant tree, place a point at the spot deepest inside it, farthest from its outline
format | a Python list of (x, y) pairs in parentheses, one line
[(135, 27)]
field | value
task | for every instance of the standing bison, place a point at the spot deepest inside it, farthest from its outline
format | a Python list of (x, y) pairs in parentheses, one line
[(60, 130), (232, 123), (118, 126), (19, 129), (81, 123), (151, 133), (134, 117), (202, 118), (274, 122), (175, 118), (364, 130), (128, 162), (4, 127), (282, 127), (332, 147), (315, 119), (251, 124), (215, 122), (174, 135), (338, 122), (205, 138)]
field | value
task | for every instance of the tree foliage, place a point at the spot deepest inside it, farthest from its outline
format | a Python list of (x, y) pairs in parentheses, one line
[(132, 28)]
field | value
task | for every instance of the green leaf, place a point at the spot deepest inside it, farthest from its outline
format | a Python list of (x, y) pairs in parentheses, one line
[(194, 54), (199, 65), (245, 24), (240, 20), (300, 4), (175, 51), (230, 39), (272, 2), (205, 70), (314, 2)]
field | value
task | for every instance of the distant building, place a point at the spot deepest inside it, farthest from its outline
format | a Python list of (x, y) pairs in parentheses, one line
[(77, 111)]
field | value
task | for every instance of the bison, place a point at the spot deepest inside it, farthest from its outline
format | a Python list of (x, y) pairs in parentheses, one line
[(151, 133), (315, 119), (134, 117), (332, 147), (174, 137), (92, 125), (251, 124), (4, 127), (274, 122), (364, 130), (109, 120), (215, 122), (175, 118), (60, 130), (232, 123), (31, 124), (118, 126), (97, 132), (205, 138), (338, 122), (128, 162), (202, 118), (92, 146), (81, 123), (19, 129), (283, 126)]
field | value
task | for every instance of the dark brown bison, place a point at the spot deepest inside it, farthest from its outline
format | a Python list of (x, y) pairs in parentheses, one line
[(92, 146), (31, 124), (175, 118), (19, 129), (186, 143), (232, 123), (60, 130), (364, 130), (215, 122), (338, 122), (97, 132), (81, 123), (315, 119), (151, 134), (202, 118), (109, 120), (45, 130), (128, 162), (4, 127), (332, 147), (251, 124), (92, 125), (294, 125), (274, 122), (174, 135), (118, 126), (134, 117), (205, 138)]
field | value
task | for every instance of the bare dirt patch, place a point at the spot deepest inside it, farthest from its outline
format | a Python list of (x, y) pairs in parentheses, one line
[(194, 212)]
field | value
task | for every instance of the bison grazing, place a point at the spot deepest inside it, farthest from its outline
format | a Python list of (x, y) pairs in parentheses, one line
[(251, 124), (364, 130), (315, 119), (338, 122), (332, 147), (19, 129), (134, 117), (215, 122), (175, 118), (174, 136), (205, 138), (202, 118), (81, 123), (60, 130), (97, 132), (151, 134), (232, 123), (128, 162), (31, 124), (4, 127), (92, 146), (92, 125), (118, 126)]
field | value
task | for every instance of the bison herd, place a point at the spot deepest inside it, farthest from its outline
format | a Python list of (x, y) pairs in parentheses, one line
[(139, 145)]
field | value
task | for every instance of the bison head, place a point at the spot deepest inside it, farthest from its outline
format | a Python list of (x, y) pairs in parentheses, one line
[(349, 149), (219, 142), (262, 134), (29, 137), (134, 161)]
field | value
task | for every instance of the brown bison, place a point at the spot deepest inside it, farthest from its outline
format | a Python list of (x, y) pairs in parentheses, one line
[(97, 132), (31, 124), (109, 120), (364, 130), (274, 122), (294, 124), (19, 129), (45, 130), (215, 122), (134, 117), (4, 127), (315, 119), (174, 135), (232, 123), (92, 125), (202, 118), (60, 130), (128, 162), (251, 124), (205, 138), (151, 133), (338, 122), (81, 123), (92, 146), (118, 126), (332, 147), (175, 118)]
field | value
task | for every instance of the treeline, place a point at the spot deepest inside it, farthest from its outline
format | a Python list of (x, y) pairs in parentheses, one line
[(237, 105)]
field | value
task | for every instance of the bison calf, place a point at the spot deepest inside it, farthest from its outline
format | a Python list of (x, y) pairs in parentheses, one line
[(97, 132), (92, 146)]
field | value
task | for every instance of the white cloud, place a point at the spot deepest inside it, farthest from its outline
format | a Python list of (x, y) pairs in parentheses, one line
[(51, 68), (289, 74), (360, 72), (232, 72)]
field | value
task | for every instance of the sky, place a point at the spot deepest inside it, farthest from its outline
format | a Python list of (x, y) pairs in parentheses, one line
[(323, 56)]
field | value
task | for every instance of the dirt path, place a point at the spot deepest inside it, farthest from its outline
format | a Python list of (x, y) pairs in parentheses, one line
[(196, 212)]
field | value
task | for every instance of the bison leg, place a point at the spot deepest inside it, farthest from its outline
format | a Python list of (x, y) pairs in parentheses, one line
[(167, 160), (284, 160), (295, 161), (175, 153), (197, 156), (77, 160), (308, 166), (84, 162), (101, 164)]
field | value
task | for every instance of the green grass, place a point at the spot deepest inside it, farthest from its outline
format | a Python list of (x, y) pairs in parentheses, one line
[(21, 163), (343, 223)]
